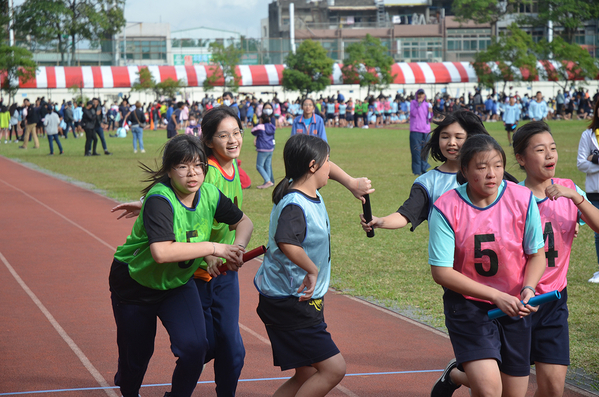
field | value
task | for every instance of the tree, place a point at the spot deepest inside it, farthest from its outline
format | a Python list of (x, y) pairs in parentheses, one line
[(168, 88), (223, 66), (567, 16), (92, 20), (511, 51), (368, 64), (16, 64), (484, 11), (573, 62), (145, 81), (309, 69)]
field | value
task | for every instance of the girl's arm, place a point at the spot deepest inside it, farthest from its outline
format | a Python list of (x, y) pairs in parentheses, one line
[(358, 186), (297, 255), (590, 214), (457, 282), (172, 251), (535, 267), (392, 221), (131, 210)]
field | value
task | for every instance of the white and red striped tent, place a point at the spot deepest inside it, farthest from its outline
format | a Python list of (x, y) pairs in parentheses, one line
[(251, 75)]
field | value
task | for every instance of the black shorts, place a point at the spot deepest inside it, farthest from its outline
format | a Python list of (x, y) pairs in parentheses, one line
[(511, 127), (297, 331), (550, 336), (349, 117), (342, 117), (475, 337), (330, 116)]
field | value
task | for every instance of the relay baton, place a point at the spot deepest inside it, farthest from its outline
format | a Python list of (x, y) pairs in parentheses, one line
[(248, 256), (367, 214), (534, 301)]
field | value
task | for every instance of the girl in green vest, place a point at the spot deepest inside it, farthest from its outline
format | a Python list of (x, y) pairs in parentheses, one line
[(152, 273)]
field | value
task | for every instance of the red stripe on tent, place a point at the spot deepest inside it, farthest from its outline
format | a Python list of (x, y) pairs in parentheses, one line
[(31, 83), (526, 75), (97, 73), (259, 75), (167, 72), (441, 73), (238, 73), (418, 75), (73, 77), (211, 70), (280, 69), (120, 77), (462, 71), (398, 73), (51, 76), (192, 77)]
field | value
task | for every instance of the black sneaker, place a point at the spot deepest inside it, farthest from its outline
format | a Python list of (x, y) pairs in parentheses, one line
[(106, 152), (95, 154), (444, 387)]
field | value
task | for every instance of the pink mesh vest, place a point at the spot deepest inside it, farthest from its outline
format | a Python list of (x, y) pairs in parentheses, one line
[(559, 219), (488, 241)]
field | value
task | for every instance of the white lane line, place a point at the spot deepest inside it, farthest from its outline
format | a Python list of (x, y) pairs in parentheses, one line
[(82, 357), (112, 248)]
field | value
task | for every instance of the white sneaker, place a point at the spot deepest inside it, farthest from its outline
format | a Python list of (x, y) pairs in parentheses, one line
[(134, 150), (143, 151), (595, 278)]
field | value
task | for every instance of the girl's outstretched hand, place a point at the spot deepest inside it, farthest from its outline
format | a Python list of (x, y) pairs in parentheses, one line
[(361, 186), (554, 191), (130, 210), (373, 224), (233, 254), (308, 286)]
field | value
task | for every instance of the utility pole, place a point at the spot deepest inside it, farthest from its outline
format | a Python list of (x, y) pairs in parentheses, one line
[(11, 23)]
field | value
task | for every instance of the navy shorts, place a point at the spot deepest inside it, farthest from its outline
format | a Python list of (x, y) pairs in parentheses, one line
[(475, 337), (330, 116), (550, 337), (301, 347)]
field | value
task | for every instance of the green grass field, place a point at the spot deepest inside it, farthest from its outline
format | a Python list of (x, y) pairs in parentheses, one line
[(391, 268)]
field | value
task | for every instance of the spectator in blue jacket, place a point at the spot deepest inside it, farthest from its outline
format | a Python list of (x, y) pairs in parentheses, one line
[(537, 109), (309, 122)]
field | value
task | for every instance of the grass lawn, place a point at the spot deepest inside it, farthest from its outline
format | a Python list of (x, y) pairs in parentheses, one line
[(390, 268)]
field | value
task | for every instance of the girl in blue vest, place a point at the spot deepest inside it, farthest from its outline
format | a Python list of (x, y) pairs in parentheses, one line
[(295, 273), (444, 146), (152, 273)]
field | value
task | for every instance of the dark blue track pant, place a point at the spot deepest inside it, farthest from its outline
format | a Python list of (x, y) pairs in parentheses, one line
[(181, 315), (220, 301)]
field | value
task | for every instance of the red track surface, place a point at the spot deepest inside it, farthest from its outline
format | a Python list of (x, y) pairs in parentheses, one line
[(57, 333)]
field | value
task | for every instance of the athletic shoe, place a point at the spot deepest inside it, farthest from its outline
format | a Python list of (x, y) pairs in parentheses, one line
[(266, 185), (143, 151), (444, 387), (95, 154), (134, 150), (106, 152), (595, 278)]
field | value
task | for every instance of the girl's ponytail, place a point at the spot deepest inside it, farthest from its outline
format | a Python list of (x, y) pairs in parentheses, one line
[(281, 190)]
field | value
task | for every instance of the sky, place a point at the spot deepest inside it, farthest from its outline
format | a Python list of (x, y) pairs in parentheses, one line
[(242, 16)]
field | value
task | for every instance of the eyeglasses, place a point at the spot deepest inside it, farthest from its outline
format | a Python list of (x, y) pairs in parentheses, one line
[(223, 136), (183, 169)]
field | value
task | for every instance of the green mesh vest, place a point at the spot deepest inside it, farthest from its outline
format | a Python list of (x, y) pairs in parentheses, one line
[(189, 225)]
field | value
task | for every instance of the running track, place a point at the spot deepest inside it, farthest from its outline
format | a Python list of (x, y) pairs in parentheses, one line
[(57, 333)]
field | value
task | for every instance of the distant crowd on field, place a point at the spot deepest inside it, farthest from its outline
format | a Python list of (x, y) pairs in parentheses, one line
[(373, 111)]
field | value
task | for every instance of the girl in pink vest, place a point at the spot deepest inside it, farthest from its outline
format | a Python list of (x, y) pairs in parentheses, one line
[(485, 249), (563, 206)]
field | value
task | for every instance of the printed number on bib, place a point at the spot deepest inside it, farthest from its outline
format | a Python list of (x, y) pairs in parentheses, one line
[(481, 253), (549, 239), (189, 235)]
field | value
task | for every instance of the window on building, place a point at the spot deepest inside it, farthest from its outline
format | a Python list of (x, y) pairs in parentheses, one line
[(529, 7)]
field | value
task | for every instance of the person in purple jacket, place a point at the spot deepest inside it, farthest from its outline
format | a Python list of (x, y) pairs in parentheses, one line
[(421, 113), (265, 145)]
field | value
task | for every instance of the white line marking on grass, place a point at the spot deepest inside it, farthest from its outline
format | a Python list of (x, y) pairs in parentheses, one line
[(63, 334), (112, 248)]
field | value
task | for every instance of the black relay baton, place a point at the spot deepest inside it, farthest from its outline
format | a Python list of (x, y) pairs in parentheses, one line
[(367, 214)]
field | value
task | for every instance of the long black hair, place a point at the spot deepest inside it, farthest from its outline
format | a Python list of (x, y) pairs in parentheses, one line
[(212, 120), (473, 146), (468, 120), (523, 134), (298, 153), (180, 149)]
